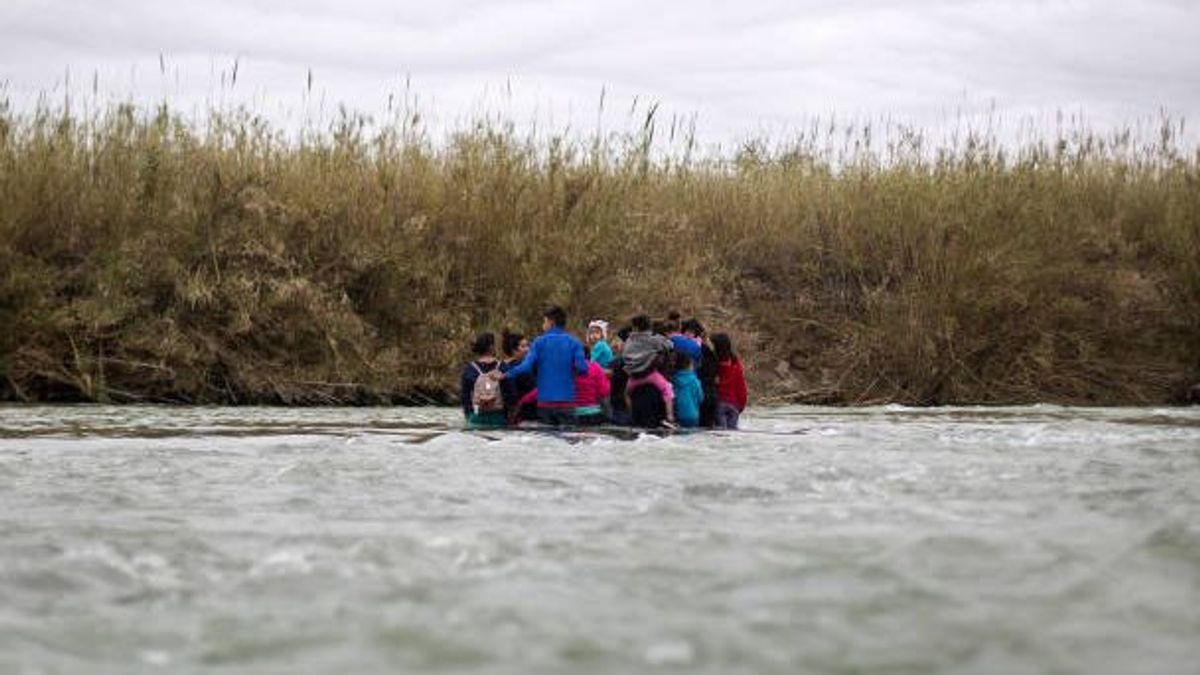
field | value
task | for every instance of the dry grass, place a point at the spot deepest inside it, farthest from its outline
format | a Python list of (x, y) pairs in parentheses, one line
[(143, 257)]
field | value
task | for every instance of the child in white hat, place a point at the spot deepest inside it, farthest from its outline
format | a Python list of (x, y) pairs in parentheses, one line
[(597, 339)]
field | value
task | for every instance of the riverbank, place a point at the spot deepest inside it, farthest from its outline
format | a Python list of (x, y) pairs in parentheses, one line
[(146, 258)]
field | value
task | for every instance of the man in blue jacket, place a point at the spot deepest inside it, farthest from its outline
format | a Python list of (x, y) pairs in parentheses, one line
[(557, 357)]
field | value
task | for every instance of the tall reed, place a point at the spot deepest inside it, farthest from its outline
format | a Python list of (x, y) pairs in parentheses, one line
[(144, 257)]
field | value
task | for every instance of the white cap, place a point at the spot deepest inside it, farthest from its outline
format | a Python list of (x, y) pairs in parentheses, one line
[(601, 324)]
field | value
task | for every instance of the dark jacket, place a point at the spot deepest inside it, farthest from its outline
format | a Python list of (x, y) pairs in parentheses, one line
[(707, 372), (616, 392), (514, 388), (647, 410)]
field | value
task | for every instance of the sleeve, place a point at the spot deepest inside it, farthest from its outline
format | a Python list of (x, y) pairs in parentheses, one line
[(664, 344), (467, 386), (529, 397)]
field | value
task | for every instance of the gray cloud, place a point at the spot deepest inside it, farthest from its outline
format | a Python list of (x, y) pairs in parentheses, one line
[(740, 67)]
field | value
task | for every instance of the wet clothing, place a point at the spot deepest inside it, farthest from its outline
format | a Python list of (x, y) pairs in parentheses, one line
[(467, 384), (727, 416), (616, 393), (491, 418), (688, 396), (731, 384), (642, 350), (557, 357), (554, 414), (646, 407), (557, 416), (707, 372), (602, 354)]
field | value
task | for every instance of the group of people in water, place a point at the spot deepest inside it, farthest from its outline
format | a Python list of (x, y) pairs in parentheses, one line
[(649, 374)]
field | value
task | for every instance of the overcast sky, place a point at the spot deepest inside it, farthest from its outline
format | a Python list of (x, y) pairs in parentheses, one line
[(740, 68)]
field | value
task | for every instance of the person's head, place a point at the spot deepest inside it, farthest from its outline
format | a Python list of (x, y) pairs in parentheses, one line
[(597, 331), (693, 327), (554, 317), (660, 327), (622, 336), (484, 345), (723, 347), (514, 345), (640, 323), (671, 325)]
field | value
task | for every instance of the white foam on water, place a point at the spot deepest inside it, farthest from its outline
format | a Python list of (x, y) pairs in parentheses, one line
[(1027, 539)]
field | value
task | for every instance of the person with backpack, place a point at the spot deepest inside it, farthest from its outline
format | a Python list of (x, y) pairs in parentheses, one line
[(481, 396), (556, 357)]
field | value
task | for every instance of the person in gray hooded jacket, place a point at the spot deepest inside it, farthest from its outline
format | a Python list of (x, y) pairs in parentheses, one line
[(643, 347)]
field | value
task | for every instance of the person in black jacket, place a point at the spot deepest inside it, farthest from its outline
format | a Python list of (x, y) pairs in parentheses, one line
[(515, 346), (485, 361), (616, 395)]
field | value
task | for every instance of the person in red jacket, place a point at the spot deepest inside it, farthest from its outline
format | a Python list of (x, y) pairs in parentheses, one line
[(731, 383)]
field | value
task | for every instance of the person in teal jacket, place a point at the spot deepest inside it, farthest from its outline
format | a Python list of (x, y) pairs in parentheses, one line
[(688, 392), (597, 339)]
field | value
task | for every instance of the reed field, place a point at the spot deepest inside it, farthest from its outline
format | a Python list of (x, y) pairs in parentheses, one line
[(149, 257)]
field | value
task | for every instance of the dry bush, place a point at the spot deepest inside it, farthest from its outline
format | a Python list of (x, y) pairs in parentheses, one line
[(144, 257)]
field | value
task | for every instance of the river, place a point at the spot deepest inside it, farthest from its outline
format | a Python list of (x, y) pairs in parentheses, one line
[(380, 540)]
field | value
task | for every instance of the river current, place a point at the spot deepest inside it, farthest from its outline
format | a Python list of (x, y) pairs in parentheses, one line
[(259, 540)]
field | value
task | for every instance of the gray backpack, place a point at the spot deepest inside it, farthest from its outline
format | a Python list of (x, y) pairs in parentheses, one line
[(486, 395)]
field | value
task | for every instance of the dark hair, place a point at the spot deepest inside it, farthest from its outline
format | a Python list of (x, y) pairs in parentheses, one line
[(660, 327), (671, 325), (693, 326), (641, 323), (587, 351), (509, 342), (623, 334), (556, 314), (484, 344), (723, 347)]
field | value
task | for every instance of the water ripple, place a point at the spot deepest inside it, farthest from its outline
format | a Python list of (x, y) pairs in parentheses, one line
[(1040, 539)]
